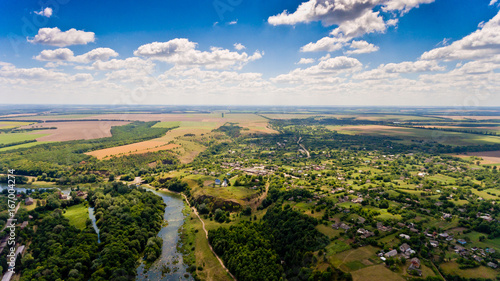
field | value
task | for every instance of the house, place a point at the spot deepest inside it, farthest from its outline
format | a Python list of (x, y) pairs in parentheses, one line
[(404, 248), (434, 243), (29, 201), (365, 233), (344, 226), (217, 182), (404, 236), (415, 262), (414, 270), (492, 265), (462, 241), (443, 235), (391, 253), (224, 183)]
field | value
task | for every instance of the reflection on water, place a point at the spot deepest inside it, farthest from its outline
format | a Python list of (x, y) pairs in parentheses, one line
[(170, 260)]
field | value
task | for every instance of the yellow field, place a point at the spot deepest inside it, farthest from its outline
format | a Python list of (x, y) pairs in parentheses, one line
[(13, 124)]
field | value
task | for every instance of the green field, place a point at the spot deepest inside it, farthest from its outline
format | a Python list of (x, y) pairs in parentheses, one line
[(407, 135), (13, 124), (185, 124), (18, 137), (77, 215), (479, 272), (23, 145)]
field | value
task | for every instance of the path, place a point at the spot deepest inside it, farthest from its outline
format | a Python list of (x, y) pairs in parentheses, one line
[(206, 235), (303, 147)]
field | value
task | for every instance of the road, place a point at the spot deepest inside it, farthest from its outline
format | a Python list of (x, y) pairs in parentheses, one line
[(206, 235)]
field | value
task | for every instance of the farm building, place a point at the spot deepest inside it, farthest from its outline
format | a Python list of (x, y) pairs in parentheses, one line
[(29, 201)]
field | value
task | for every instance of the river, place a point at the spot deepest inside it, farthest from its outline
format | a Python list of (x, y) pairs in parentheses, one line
[(170, 258)]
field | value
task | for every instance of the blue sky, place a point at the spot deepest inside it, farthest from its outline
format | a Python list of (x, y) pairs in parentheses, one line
[(351, 52)]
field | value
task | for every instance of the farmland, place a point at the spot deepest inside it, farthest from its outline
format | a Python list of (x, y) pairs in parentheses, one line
[(359, 185)]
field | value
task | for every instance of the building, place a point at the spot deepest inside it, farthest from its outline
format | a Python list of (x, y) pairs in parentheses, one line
[(217, 182), (462, 241), (29, 201), (391, 253), (492, 265), (415, 262), (404, 248), (224, 183), (404, 236)]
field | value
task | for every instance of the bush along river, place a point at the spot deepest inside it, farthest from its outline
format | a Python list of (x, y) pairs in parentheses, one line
[(170, 265)]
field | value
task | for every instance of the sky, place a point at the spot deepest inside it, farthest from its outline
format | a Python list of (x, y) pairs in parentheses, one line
[(251, 52)]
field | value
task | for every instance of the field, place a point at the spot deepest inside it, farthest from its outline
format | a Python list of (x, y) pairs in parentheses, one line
[(12, 124), (135, 148), (377, 272), (79, 130), (410, 134), (77, 215), (20, 137), (489, 157), (203, 257), (479, 272)]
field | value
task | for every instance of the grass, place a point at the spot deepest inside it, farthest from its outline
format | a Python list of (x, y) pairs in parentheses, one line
[(23, 145), (194, 237), (13, 124), (77, 215), (376, 272), (478, 272), (409, 134), (19, 137)]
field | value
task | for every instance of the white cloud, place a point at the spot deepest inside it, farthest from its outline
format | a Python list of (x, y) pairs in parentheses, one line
[(492, 2), (411, 67), (326, 44), (65, 54), (47, 12), (233, 22), (129, 63), (404, 5), (61, 54), (10, 71), (181, 51), (55, 37), (483, 43), (306, 61), (327, 11), (361, 47), (368, 22), (324, 71), (239, 46)]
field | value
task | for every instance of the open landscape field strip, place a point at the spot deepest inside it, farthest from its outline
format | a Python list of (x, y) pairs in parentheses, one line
[(135, 148), (24, 145), (479, 272), (409, 134), (77, 130), (20, 137), (13, 124)]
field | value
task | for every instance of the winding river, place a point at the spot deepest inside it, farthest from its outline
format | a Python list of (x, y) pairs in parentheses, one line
[(170, 260), (170, 265)]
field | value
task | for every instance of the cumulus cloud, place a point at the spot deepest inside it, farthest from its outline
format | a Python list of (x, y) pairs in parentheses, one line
[(492, 2), (128, 63), (361, 47), (306, 61), (56, 37), (482, 43), (404, 5), (65, 54), (239, 46), (8, 70), (327, 44), (324, 71), (47, 12), (392, 70), (181, 51)]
